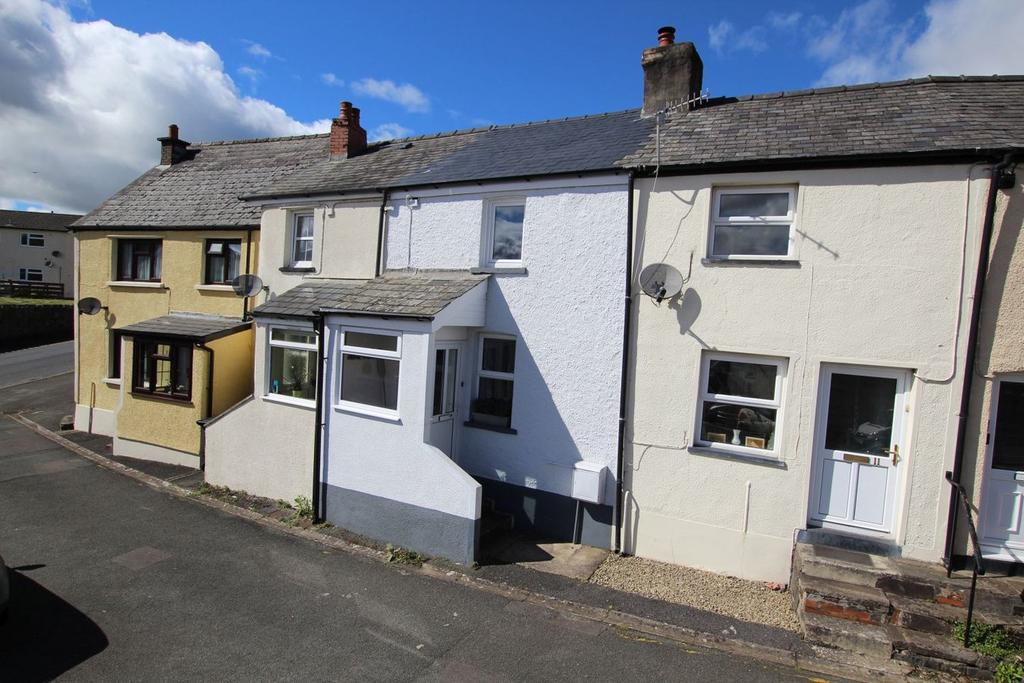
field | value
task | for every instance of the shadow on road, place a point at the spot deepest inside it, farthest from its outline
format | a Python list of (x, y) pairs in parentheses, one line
[(44, 636)]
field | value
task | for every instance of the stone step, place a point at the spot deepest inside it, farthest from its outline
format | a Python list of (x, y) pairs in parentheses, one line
[(939, 653), (837, 564), (839, 600), (869, 640)]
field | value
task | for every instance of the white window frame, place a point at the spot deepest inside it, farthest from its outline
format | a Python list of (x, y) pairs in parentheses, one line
[(271, 344), (492, 374), (294, 239), (23, 274), (716, 221), (490, 206), (343, 348), (703, 395), (27, 237)]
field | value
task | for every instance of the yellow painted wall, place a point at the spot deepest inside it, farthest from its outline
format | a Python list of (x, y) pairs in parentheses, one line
[(162, 421), (232, 369), (182, 272)]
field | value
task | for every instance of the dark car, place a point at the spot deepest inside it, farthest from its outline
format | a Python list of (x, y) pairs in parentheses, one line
[(5, 589)]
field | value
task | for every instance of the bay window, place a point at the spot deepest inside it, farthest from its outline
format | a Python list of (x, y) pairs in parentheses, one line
[(740, 402)]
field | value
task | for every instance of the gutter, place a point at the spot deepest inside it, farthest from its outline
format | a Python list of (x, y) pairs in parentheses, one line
[(624, 373), (997, 182), (319, 492), (380, 233), (208, 408)]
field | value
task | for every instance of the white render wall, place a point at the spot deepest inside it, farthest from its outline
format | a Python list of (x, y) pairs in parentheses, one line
[(263, 446), (566, 313), (877, 283)]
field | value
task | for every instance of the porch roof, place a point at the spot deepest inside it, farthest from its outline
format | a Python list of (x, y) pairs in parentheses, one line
[(409, 294), (191, 326)]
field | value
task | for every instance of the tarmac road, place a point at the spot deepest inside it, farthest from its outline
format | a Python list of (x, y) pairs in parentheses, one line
[(18, 367)]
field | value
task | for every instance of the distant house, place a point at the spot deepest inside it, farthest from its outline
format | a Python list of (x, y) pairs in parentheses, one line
[(37, 247)]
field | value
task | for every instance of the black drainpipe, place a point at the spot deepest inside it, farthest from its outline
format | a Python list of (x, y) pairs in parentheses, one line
[(998, 181), (624, 388), (209, 406), (318, 513), (380, 233), (248, 256)]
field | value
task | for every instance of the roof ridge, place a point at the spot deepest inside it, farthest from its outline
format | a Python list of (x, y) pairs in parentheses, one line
[(245, 141), (779, 94)]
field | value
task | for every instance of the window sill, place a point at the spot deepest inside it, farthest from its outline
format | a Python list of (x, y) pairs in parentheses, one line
[(224, 289), (166, 399), (369, 411), (499, 270), (297, 269), (490, 428), (740, 261), (765, 460), (138, 284), (290, 400), (112, 381)]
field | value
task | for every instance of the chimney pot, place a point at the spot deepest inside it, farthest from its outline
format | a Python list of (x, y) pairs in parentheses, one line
[(666, 35), (172, 131)]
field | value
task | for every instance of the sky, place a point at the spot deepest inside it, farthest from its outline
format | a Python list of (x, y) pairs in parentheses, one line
[(87, 86)]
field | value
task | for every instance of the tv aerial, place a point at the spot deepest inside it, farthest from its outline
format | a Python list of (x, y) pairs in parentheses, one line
[(661, 281), (247, 285), (90, 305)]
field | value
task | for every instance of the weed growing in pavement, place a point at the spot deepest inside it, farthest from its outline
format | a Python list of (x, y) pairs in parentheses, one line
[(398, 555), (303, 508), (996, 642), (282, 504)]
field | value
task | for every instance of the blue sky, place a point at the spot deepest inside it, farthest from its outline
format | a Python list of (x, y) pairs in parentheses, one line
[(85, 87)]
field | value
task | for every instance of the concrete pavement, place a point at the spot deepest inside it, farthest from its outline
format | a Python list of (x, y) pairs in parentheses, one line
[(118, 581), (19, 367)]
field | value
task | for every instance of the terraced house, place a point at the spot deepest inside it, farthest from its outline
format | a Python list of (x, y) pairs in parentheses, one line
[(166, 342)]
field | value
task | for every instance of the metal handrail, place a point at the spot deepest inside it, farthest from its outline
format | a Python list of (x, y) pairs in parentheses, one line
[(979, 566)]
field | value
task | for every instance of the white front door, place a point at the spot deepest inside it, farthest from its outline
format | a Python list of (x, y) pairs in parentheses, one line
[(1002, 503), (444, 397), (857, 458)]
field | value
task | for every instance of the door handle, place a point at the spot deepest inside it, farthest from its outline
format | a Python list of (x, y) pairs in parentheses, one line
[(894, 453)]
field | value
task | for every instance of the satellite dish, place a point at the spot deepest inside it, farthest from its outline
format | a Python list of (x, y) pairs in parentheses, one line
[(661, 281), (90, 305), (247, 285)]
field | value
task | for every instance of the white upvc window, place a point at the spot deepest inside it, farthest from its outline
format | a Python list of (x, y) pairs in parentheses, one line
[(495, 381), (368, 371), (291, 365), (302, 240), (503, 232), (33, 239), (740, 403), (752, 223), (30, 274)]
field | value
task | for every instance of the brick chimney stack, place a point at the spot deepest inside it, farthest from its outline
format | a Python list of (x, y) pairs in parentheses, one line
[(348, 139), (172, 148), (673, 72)]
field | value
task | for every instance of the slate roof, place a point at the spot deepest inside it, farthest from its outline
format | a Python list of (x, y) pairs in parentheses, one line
[(34, 220), (417, 294), (192, 326), (203, 192), (579, 144), (918, 116)]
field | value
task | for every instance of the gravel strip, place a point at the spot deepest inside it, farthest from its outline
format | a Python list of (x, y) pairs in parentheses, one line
[(746, 600)]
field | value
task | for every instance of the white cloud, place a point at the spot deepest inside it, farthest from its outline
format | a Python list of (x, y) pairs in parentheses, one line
[(389, 131), (781, 21), (723, 38), (253, 74), (331, 79), (83, 102), (952, 37), (404, 94), (257, 50)]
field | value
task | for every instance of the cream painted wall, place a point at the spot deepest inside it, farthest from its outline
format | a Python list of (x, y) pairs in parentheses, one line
[(344, 244), (263, 446), (14, 256), (1000, 345), (877, 282), (232, 369)]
